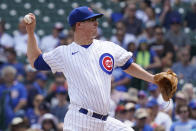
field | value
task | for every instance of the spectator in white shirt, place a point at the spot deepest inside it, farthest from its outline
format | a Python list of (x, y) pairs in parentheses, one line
[(5, 39), (121, 37), (20, 40), (51, 41), (164, 106), (157, 117)]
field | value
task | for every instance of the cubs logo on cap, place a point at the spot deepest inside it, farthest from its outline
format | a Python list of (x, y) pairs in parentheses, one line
[(90, 9), (106, 63)]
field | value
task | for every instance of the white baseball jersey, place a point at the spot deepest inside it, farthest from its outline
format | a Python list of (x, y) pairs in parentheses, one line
[(88, 71)]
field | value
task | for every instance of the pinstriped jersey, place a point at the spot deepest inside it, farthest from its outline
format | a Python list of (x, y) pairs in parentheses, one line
[(88, 71)]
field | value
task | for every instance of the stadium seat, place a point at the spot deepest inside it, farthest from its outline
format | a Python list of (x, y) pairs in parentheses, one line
[(48, 12), (182, 8)]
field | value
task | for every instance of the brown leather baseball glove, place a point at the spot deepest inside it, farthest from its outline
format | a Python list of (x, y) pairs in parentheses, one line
[(167, 83)]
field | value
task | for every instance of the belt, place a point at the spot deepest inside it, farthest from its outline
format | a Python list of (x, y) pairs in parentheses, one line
[(95, 115)]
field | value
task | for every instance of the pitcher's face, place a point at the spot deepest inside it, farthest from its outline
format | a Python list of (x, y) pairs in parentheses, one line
[(90, 27)]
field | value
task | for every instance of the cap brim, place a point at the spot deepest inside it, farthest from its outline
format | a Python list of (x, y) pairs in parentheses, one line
[(142, 116), (16, 121), (92, 16), (193, 107), (149, 105)]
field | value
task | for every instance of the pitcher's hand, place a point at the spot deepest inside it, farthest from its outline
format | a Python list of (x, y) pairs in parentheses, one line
[(31, 27)]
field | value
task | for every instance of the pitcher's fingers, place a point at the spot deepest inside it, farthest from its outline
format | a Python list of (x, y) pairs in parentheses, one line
[(32, 16)]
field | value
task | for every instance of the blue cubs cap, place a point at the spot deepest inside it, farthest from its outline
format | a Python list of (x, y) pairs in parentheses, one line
[(143, 40), (153, 102), (152, 87), (175, 20), (41, 76), (142, 93), (121, 88), (62, 36), (61, 90), (192, 104), (81, 14)]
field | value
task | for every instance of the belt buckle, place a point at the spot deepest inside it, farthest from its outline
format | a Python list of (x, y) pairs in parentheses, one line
[(90, 113), (102, 117)]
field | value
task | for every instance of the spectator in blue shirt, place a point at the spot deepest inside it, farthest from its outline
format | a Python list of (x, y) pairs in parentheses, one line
[(16, 97), (167, 14), (120, 78), (18, 91), (183, 68), (12, 61), (6, 111), (190, 18), (192, 105), (59, 80), (133, 24), (177, 36), (184, 124), (33, 114), (61, 109), (38, 87)]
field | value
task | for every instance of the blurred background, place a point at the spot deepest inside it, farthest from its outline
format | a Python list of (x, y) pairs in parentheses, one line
[(161, 34)]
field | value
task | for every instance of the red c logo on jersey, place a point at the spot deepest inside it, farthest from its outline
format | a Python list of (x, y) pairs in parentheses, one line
[(106, 62)]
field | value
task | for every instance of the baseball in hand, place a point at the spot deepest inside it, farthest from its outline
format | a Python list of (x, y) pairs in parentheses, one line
[(27, 19)]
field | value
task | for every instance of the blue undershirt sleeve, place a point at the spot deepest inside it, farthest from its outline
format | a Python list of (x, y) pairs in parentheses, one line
[(40, 64), (127, 64)]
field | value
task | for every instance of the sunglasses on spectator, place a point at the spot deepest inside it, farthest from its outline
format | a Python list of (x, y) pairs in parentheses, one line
[(38, 100), (141, 96), (131, 110), (47, 121), (159, 33), (132, 9), (185, 54), (183, 111), (142, 119)]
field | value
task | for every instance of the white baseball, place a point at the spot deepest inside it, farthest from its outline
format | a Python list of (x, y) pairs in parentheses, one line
[(27, 19)]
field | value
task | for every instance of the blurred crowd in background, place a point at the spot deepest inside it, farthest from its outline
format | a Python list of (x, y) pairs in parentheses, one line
[(159, 38)]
